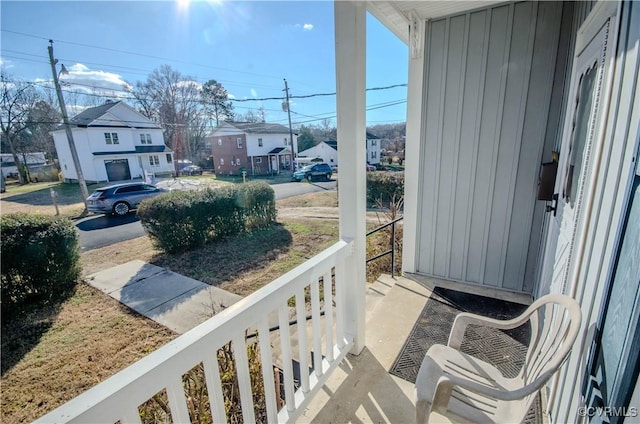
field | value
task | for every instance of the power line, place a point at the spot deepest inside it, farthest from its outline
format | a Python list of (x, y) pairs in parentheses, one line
[(136, 54)]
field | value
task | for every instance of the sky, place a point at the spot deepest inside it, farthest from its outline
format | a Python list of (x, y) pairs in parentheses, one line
[(248, 46)]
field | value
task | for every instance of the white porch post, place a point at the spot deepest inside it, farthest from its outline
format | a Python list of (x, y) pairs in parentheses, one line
[(413, 154), (350, 32)]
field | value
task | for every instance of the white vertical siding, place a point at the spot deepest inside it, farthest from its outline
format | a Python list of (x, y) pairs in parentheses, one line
[(488, 87)]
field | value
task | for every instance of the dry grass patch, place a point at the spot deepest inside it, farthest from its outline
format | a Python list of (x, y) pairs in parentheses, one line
[(96, 260), (318, 199), (53, 355)]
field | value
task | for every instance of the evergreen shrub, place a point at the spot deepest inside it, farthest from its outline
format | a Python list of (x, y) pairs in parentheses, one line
[(40, 259), (183, 220), (383, 187)]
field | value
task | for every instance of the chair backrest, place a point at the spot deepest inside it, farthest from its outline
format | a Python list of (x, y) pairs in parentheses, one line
[(555, 322)]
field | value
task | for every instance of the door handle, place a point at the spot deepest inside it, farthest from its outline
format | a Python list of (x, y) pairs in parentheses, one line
[(553, 207)]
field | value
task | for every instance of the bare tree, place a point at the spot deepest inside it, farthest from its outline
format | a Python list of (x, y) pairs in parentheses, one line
[(173, 100), (17, 100), (252, 115), (41, 120)]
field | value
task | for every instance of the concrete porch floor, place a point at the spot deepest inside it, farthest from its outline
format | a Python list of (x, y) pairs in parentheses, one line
[(362, 390)]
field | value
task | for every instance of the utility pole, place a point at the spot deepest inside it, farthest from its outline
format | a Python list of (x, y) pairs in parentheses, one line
[(286, 104), (67, 129)]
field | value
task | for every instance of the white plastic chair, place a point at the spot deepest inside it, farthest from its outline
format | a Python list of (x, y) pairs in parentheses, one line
[(461, 388)]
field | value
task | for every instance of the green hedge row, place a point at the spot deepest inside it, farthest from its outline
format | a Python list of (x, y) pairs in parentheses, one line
[(40, 259), (383, 186), (182, 220)]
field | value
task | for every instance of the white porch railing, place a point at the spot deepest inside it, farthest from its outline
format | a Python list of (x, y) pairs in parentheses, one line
[(119, 397)]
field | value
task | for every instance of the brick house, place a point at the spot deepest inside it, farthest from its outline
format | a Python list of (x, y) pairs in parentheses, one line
[(257, 147)]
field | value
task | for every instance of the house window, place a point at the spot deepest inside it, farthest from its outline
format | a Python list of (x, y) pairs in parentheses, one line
[(239, 142), (219, 142), (107, 138), (145, 138), (285, 141), (207, 145), (221, 161), (374, 142), (169, 158), (259, 142), (154, 160), (258, 160), (114, 137), (238, 162), (374, 155)]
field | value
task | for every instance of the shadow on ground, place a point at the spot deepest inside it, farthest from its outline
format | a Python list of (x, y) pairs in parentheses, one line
[(218, 262), (22, 328), (106, 221)]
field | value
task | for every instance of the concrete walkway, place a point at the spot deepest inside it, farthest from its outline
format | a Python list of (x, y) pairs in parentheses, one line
[(173, 300)]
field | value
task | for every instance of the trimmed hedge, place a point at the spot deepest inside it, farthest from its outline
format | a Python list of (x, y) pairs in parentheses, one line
[(40, 259), (383, 186), (182, 220)]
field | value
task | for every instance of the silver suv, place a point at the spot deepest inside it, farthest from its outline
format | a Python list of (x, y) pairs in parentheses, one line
[(120, 199)]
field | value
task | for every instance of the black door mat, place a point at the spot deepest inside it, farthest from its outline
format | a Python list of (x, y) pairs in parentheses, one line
[(505, 350)]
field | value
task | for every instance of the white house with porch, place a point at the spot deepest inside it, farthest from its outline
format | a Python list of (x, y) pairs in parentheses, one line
[(500, 95), (114, 142)]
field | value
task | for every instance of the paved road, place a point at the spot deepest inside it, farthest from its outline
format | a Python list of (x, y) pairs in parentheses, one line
[(101, 230)]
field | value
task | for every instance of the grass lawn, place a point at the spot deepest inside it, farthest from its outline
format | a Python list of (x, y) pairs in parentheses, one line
[(54, 354)]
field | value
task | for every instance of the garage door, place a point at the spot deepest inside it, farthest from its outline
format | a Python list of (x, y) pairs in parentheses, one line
[(117, 169)]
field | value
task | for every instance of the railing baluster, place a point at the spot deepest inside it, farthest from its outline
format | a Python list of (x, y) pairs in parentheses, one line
[(244, 378), (214, 388), (328, 315), (340, 299), (177, 401), (285, 342), (317, 328), (267, 371), (303, 352)]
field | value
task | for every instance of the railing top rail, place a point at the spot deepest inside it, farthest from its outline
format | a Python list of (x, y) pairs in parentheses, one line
[(383, 226), (181, 354)]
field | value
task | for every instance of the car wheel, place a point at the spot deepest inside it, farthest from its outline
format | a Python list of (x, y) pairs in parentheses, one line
[(309, 177), (328, 177), (121, 208)]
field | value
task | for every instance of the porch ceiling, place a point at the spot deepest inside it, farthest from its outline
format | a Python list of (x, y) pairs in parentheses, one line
[(395, 14)]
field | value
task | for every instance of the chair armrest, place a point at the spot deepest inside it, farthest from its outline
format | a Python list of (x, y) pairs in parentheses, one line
[(464, 319), (446, 383)]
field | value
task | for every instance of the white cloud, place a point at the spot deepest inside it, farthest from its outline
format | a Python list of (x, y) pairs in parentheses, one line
[(305, 27), (231, 96), (81, 78), (254, 93), (7, 64)]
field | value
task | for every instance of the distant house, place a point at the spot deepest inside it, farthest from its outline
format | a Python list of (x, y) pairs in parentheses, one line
[(328, 151), (8, 165), (257, 147), (373, 149), (114, 142)]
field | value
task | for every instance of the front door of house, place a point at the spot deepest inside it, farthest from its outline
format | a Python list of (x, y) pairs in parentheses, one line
[(614, 358), (581, 140)]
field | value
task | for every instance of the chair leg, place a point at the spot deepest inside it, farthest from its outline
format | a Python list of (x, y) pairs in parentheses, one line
[(422, 407)]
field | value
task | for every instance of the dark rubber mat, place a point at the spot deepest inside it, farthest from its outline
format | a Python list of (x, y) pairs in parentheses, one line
[(505, 350)]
